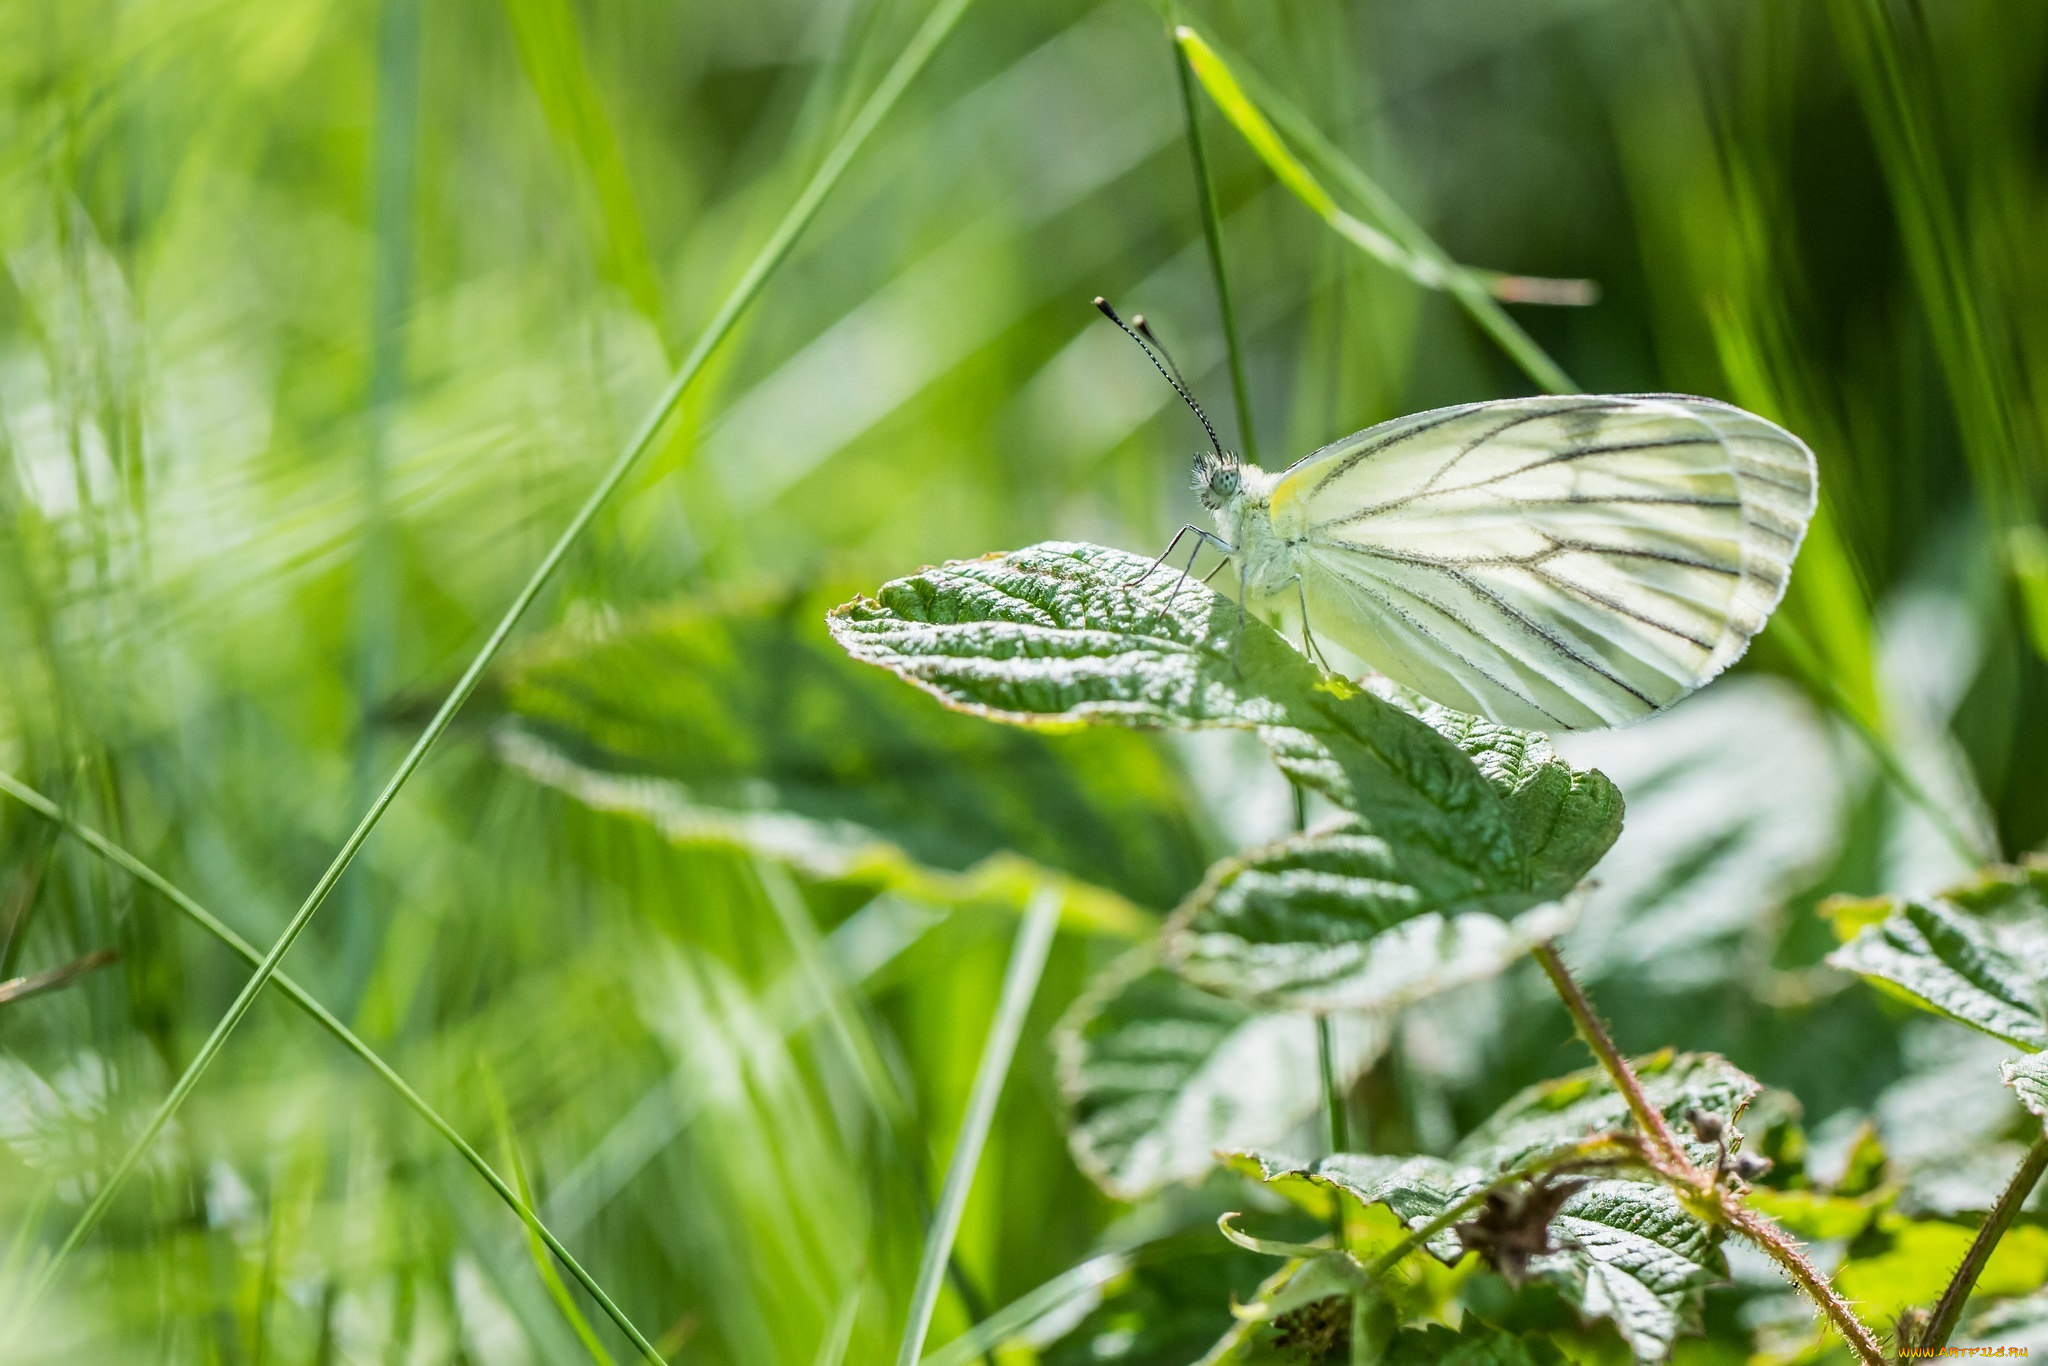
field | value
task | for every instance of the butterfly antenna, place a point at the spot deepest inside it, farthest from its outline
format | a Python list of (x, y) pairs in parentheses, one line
[(1145, 331), (1178, 387)]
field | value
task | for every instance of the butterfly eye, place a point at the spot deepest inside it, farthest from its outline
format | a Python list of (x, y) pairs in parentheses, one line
[(1217, 479)]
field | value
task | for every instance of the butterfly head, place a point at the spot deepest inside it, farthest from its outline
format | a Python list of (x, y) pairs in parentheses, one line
[(1219, 477)]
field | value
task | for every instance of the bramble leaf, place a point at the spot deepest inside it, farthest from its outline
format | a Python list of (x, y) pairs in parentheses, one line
[(1555, 1114), (1478, 818), (1327, 921), (744, 726), (1624, 1250), (1159, 1074), (1979, 971), (2028, 1078)]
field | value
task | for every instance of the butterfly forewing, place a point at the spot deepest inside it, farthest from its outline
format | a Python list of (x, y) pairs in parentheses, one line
[(1558, 562)]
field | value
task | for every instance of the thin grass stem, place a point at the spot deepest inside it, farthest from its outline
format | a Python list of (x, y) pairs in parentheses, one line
[(1212, 237), (1250, 102), (299, 996), (1338, 1138), (1005, 1323), (1020, 987), (771, 255)]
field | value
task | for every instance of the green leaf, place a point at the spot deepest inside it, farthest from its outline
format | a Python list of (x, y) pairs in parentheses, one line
[(2028, 1078), (1564, 818), (1555, 1114), (1327, 921), (1164, 1311), (1904, 1262), (1625, 1250), (1057, 634), (1736, 804), (745, 725), (1977, 971), (1416, 1189), (2007, 1323), (1473, 1344), (1158, 1075)]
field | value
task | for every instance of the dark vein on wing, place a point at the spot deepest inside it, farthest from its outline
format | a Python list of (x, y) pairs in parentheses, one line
[(1582, 453), (1455, 617), (1619, 608), (1415, 625), (1537, 628)]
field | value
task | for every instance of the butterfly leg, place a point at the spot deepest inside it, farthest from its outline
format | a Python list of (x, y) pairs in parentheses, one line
[(1237, 646), (1308, 640), (1186, 570), (1201, 537)]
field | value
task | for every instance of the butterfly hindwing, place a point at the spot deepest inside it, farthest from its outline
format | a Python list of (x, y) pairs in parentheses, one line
[(1558, 562)]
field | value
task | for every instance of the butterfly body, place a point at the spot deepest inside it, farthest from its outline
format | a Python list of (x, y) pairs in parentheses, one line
[(1269, 548), (1560, 563)]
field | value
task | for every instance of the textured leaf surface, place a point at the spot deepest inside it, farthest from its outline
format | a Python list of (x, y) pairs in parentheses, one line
[(2028, 1078), (1559, 1113), (1473, 1344), (1327, 921), (1453, 815), (747, 723), (1736, 802), (1164, 1311), (1159, 1075), (1625, 1250), (1977, 971)]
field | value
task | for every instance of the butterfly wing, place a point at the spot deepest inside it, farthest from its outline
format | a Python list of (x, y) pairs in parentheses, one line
[(1559, 563)]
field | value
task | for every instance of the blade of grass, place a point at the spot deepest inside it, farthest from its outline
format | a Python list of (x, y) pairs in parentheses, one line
[(1014, 1317), (551, 52), (1940, 258), (1404, 247), (396, 160), (771, 255), (1020, 985), (205, 919), (1212, 236), (832, 1347), (501, 1118), (665, 1111), (1825, 625)]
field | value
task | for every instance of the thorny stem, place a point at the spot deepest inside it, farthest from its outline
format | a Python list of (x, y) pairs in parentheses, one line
[(1778, 1245), (1701, 1189), (1648, 1117), (1949, 1307)]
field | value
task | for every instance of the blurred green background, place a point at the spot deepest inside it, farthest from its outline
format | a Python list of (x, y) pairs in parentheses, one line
[(319, 319)]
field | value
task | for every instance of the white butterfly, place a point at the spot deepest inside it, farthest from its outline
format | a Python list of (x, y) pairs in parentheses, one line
[(1557, 563)]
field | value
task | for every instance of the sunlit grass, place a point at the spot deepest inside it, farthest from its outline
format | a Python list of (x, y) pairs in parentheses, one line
[(301, 378)]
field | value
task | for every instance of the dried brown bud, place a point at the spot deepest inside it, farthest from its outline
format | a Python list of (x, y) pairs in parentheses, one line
[(1513, 1226), (1749, 1166)]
